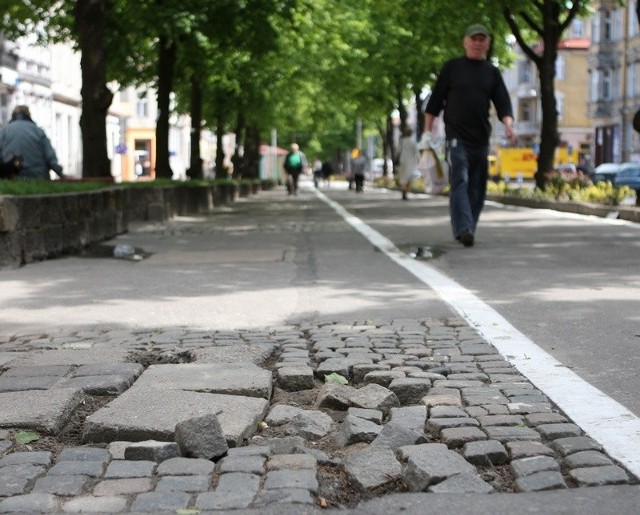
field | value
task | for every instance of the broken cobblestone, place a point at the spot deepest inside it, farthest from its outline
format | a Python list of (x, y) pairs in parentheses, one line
[(408, 387)]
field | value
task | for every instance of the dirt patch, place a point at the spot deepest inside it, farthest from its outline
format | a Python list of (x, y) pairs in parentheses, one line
[(161, 357), (71, 434), (337, 492)]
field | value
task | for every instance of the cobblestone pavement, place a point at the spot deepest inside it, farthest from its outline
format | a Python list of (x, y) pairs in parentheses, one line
[(429, 407)]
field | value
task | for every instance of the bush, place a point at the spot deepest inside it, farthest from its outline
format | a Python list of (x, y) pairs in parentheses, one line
[(268, 184), (578, 190)]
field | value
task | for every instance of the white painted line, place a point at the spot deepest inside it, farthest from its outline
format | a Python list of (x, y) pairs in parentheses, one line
[(599, 416)]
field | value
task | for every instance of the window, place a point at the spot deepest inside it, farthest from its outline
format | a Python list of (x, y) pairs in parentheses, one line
[(526, 110), (593, 85), (607, 26), (577, 28), (606, 85), (560, 66), (560, 105), (524, 72), (595, 28), (142, 106)]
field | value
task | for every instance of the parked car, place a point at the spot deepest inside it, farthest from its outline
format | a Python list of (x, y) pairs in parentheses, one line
[(586, 170), (606, 172), (629, 175)]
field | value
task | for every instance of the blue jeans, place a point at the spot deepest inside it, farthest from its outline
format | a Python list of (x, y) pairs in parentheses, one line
[(468, 180)]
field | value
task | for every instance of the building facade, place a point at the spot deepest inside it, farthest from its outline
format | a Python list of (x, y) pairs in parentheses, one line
[(48, 79), (571, 86), (614, 71)]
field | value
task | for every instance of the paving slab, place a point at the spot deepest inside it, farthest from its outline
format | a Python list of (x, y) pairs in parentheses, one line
[(229, 378), (46, 411), (94, 355), (256, 354), (147, 413)]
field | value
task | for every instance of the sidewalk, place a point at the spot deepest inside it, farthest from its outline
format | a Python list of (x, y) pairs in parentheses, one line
[(234, 321)]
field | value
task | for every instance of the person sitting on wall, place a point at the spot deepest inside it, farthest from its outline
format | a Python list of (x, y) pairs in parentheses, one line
[(22, 137)]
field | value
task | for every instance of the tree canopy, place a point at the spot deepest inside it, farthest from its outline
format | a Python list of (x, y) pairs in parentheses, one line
[(309, 69)]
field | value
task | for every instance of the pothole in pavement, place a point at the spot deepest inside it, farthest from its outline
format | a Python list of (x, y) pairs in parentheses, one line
[(155, 356), (121, 251), (421, 251)]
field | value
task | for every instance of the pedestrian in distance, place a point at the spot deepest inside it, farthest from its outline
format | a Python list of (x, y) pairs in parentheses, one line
[(327, 172), (22, 137), (464, 89), (407, 161), (317, 171), (295, 163), (358, 169)]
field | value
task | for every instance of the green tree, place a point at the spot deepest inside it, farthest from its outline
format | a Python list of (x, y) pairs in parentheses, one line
[(547, 20), (82, 23)]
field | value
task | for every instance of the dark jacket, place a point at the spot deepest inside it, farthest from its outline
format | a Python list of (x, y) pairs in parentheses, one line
[(22, 137), (465, 89)]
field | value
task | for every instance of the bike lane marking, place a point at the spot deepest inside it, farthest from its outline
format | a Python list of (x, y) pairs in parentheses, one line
[(602, 418)]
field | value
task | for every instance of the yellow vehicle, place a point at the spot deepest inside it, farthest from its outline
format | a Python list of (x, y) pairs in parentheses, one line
[(516, 163), (513, 163)]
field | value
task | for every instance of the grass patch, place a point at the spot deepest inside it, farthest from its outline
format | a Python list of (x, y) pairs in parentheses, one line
[(36, 187)]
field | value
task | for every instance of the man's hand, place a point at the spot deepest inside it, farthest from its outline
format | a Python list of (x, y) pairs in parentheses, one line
[(508, 129), (511, 136)]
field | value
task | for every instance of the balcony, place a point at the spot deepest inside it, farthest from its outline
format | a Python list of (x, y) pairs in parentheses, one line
[(602, 109)]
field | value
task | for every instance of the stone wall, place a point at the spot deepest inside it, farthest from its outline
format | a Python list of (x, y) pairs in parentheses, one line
[(37, 227)]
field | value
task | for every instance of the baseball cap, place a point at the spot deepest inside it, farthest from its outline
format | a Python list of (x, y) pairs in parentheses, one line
[(476, 28)]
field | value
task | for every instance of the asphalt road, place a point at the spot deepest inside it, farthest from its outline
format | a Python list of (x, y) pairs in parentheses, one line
[(570, 283)]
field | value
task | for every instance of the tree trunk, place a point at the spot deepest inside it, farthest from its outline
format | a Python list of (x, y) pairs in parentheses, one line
[(419, 113), (549, 137), (252, 153), (90, 18), (402, 110), (391, 147), (220, 171), (195, 163), (166, 67), (239, 167), (549, 130)]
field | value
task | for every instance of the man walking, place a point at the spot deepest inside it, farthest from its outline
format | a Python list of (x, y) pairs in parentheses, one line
[(465, 89), (295, 163)]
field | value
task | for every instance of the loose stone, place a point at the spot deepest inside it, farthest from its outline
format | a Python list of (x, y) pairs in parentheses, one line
[(462, 484), (201, 437), (600, 476), (527, 466), (430, 465), (372, 468), (547, 480), (485, 452)]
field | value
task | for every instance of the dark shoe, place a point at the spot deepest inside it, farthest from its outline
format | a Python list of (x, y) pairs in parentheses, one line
[(466, 239), (404, 196)]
